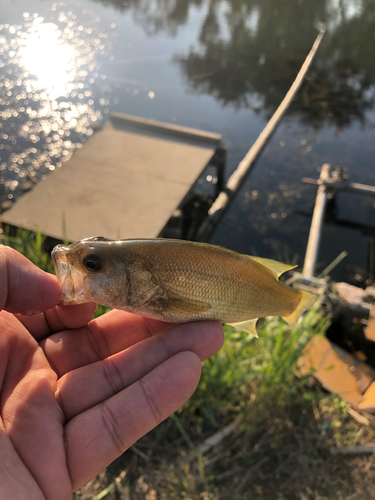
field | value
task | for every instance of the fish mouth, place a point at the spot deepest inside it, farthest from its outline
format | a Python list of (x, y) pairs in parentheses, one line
[(68, 277)]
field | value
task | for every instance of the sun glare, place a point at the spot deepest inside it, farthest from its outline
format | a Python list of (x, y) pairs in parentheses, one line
[(48, 58)]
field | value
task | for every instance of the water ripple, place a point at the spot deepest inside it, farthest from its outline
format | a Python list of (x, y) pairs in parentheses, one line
[(51, 91)]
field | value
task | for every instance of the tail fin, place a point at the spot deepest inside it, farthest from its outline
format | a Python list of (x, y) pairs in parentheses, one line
[(306, 301)]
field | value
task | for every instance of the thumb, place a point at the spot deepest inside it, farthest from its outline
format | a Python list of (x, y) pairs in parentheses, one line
[(24, 288)]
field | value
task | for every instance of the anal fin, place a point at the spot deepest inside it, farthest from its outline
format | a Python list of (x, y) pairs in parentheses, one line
[(247, 326)]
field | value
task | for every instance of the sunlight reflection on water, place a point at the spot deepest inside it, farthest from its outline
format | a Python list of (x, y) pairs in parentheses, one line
[(51, 92), (47, 57)]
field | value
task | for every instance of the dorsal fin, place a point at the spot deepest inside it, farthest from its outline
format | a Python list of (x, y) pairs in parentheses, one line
[(277, 268)]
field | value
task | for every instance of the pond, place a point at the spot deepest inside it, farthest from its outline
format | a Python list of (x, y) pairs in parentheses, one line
[(216, 65)]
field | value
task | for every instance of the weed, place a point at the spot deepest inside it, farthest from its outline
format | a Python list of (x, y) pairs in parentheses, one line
[(30, 244), (254, 375)]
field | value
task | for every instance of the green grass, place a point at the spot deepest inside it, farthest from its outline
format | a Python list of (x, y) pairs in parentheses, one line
[(29, 244), (249, 377), (267, 364), (287, 423)]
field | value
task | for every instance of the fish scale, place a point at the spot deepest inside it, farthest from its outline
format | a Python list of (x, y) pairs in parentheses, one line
[(177, 281)]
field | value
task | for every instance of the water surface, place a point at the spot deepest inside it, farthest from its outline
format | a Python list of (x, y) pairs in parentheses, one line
[(217, 65)]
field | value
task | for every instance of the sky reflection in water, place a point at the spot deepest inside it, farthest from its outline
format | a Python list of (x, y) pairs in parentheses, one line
[(221, 66)]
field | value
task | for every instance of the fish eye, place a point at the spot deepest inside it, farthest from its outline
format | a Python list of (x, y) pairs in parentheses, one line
[(92, 262)]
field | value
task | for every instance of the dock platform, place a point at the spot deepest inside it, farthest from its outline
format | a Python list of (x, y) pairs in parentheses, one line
[(125, 182)]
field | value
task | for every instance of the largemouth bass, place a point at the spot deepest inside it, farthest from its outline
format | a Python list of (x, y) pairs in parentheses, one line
[(177, 281)]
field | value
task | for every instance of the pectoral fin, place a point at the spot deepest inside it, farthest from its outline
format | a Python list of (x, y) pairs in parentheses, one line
[(247, 326), (181, 307)]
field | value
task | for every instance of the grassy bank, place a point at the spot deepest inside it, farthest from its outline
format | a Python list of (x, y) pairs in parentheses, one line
[(30, 244), (279, 447)]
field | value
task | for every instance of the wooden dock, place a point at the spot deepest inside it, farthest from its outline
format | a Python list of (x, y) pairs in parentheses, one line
[(125, 182)]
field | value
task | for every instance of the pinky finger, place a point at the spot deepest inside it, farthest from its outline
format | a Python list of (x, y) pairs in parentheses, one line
[(99, 435)]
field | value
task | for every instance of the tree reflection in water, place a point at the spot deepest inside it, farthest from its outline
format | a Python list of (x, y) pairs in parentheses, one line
[(249, 52)]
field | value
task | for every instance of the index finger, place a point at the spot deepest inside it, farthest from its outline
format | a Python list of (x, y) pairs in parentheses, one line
[(102, 337)]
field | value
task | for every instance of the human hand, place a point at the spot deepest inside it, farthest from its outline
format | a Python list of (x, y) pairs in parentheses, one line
[(75, 394)]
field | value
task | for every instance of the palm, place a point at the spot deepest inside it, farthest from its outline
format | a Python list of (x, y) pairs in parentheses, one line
[(74, 396)]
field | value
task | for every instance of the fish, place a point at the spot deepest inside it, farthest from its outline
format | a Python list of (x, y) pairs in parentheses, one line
[(177, 281)]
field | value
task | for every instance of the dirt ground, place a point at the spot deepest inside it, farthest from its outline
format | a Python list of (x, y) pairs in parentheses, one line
[(289, 456)]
